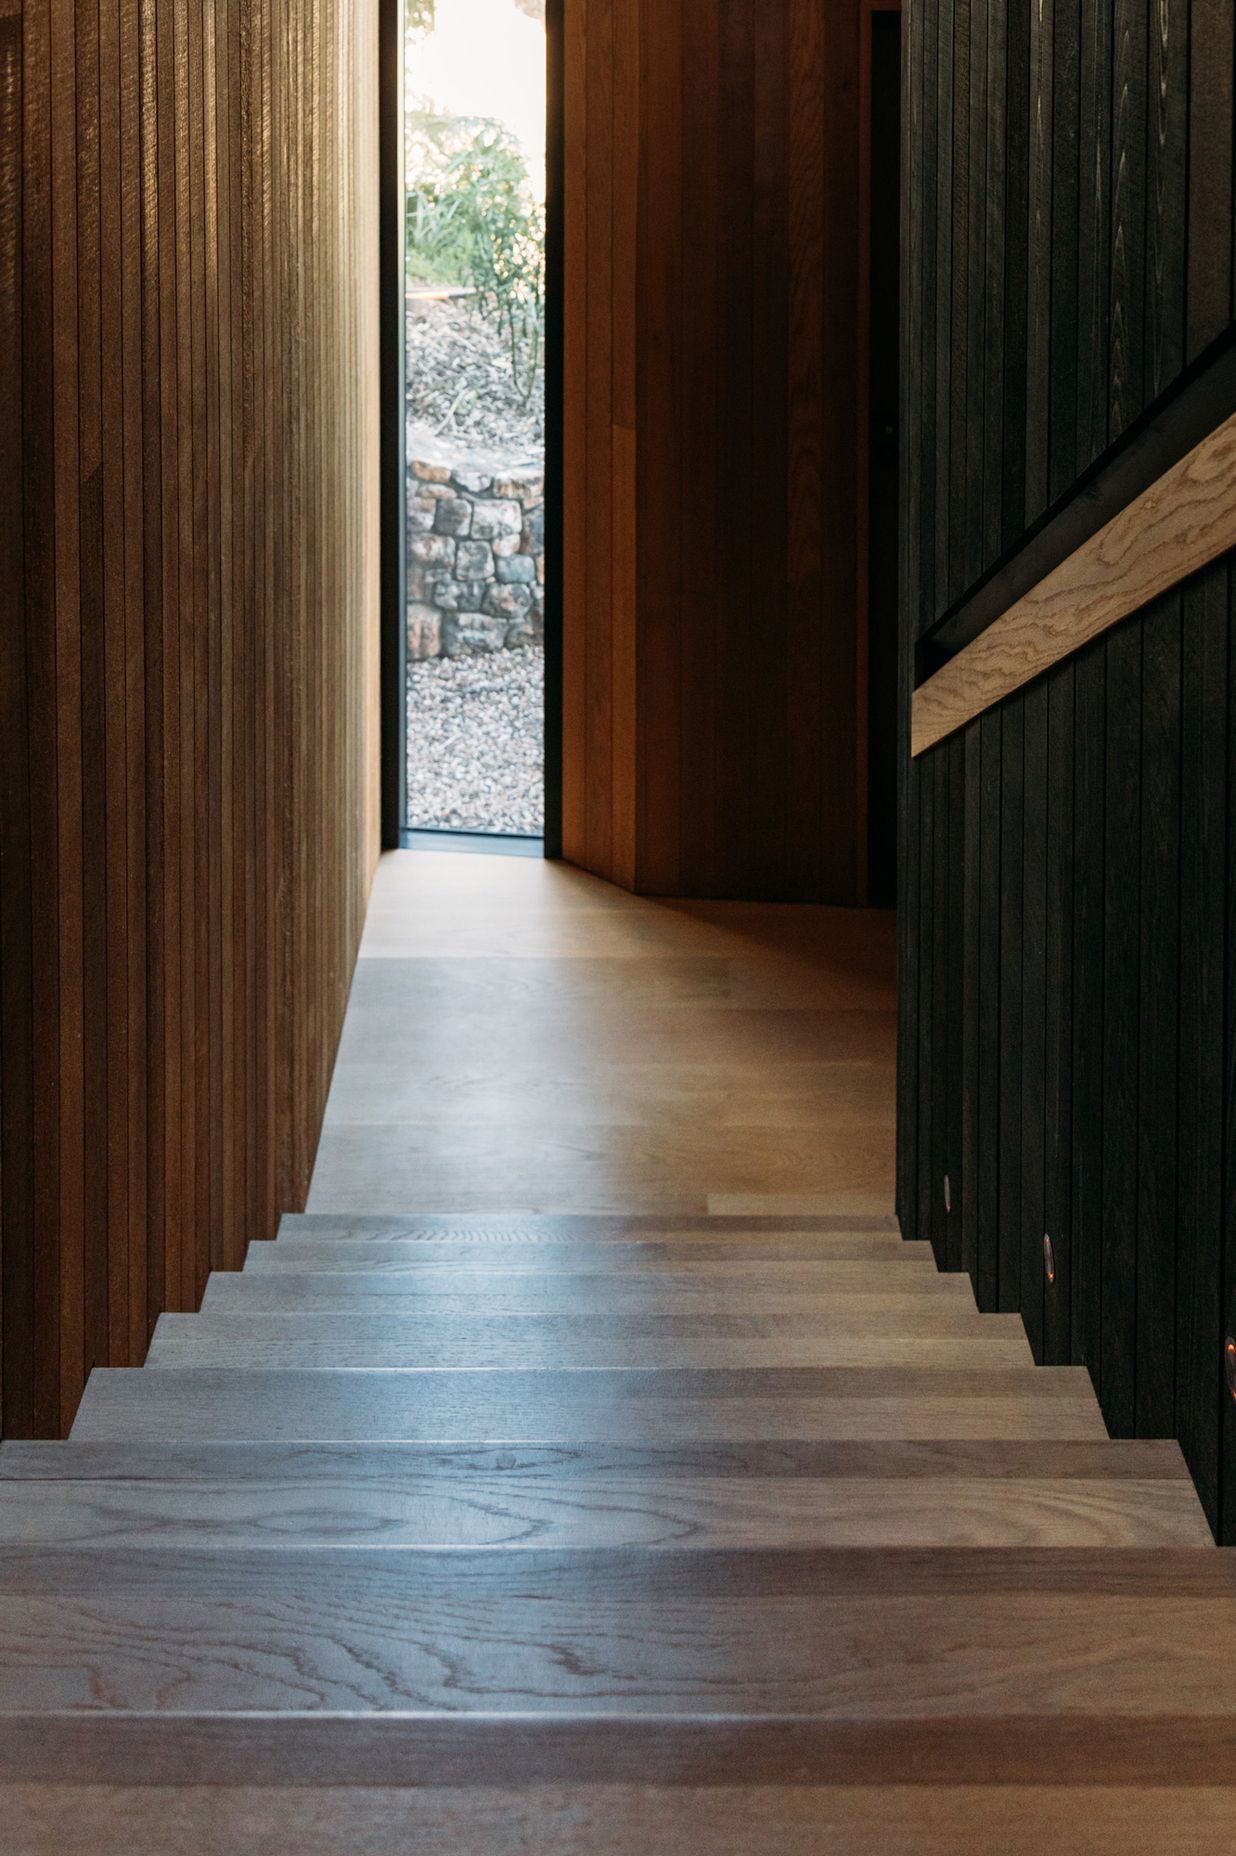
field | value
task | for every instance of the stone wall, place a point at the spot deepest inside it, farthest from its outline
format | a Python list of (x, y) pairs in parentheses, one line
[(476, 552)]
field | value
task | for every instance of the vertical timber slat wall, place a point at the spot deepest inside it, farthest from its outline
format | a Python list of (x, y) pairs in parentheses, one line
[(711, 743), (1084, 1091), (188, 654)]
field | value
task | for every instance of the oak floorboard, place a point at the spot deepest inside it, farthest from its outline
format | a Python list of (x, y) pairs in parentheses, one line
[(681, 1511), (324, 1751), (595, 1439), (829, 1632), (747, 1049), (591, 1227), (445, 1323), (1123, 1459), (359, 1250), (257, 1344), (755, 980), (561, 1034), (590, 1407), (594, 1271), (632, 1820), (534, 1292), (669, 1167), (760, 1204)]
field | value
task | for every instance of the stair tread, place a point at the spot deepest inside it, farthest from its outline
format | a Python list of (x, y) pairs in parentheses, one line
[(446, 1321), (675, 1508), (570, 1256), (606, 1820), (841, 1633), (597, 1267), (1177, 1755), (535, 1291), (1135, 1459), (588, 1406), (576, 1227), (889, 1352), (612, 1341)]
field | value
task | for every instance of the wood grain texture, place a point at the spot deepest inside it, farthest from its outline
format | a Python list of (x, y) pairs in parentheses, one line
[(1143, 1460), (618, 1820), (1092, 914), (205, 1403), (621, 1254), (467, 1079), (282, 1341), (1164, 536), (720, 318), (1171, 1756), (678, 1509), (367, 1496), (291, 1290), (164, 655), (495, 1497), (832, 1632)]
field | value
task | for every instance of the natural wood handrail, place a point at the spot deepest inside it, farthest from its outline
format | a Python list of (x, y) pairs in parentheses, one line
[(1181, 523)]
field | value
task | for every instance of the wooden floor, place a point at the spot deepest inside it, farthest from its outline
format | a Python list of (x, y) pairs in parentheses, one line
[(594, 1471)]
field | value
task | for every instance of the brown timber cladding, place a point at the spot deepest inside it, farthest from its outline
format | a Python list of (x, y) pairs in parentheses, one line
[(711, 663), (188, 568)]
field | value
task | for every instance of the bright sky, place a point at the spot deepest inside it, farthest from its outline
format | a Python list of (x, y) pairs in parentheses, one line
[(486, 58)]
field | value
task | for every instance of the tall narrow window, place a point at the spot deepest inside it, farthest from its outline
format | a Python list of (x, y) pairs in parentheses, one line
[(474, 162)]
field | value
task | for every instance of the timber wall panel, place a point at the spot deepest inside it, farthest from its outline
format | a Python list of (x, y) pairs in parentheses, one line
[(189, 663), (1098, 983), (712, 689)]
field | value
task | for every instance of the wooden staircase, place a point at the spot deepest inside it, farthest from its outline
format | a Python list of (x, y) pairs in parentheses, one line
[(611, 1535)]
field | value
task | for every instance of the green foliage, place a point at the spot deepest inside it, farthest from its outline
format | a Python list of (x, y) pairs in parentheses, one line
[(472, 220), (420, 18)]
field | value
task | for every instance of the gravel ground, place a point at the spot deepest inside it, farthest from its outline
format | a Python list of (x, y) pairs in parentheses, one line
[(460, 383), (476, 742)]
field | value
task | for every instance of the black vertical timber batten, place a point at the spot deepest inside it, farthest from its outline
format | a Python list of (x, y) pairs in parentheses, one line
[(994, 166), (955, 891), (1038, 259), (967, 972), (1094, 163), (1121, 964), (1058, 1020), (1067, 940), (1158, 1018), (957, 324), (968, 544), (1227, 1467), (926, 974), (928, 155), (1085, 1236), (987, 1240), (1012, 781), (941, 1037), (1016, 254), (1127, 297), (1065, 255), (1167, 199), (908, 832), (1033, 1008), (1199, 1202), (1208, 288)]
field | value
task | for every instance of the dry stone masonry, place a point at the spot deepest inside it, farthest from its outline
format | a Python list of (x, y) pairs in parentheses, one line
[(476, 551)]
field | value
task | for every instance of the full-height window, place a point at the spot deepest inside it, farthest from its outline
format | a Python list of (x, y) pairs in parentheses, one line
[(474, 162)]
